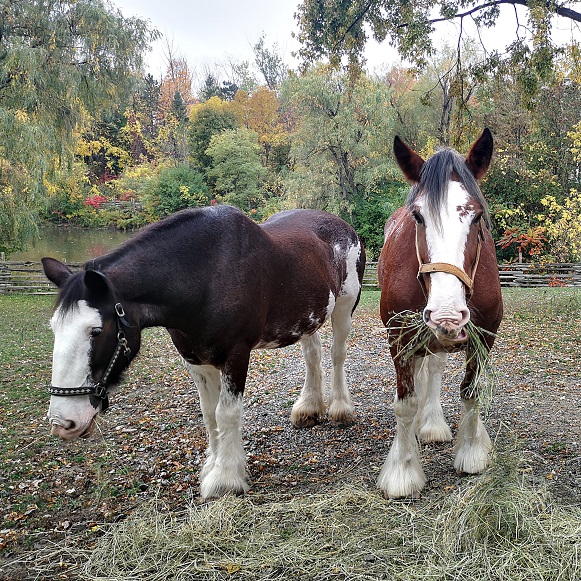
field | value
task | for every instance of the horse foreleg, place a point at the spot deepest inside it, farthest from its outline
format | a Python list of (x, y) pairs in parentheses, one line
[(340, 408), (402, 474), (431, 425), (227, 475), (309, 408), (207, 381), (473, 446)]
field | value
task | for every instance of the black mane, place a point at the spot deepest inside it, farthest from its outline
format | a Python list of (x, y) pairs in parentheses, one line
[(435, 174), (72, 292)]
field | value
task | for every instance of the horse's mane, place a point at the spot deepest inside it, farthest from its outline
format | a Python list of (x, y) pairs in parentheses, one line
[(72, 292), (435, 175)]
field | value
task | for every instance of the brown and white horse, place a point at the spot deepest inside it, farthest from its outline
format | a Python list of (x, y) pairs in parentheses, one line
[(222, 286), (439, 260)]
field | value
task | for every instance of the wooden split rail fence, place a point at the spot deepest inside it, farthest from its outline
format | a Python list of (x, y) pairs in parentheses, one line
[(28, 277)]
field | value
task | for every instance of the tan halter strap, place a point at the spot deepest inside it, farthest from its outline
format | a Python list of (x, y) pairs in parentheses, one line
[(450, 268)]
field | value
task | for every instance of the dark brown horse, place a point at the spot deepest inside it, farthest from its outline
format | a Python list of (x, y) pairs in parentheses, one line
[(439, 261), (222, 286)]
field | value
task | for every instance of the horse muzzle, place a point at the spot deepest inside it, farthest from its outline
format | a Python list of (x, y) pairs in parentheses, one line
[(450, 336), (68, 430)]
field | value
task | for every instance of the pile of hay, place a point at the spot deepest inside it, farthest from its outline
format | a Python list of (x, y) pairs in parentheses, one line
[(499, 526)]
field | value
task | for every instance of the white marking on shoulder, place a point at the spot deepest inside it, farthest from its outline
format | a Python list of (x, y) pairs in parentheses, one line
[(351, 284)]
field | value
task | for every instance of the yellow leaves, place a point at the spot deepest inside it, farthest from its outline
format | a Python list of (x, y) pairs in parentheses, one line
[(563, 225), (21, 115)]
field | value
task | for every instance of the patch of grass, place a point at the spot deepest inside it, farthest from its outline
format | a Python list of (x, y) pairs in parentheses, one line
[(369, 300), (551, 303)]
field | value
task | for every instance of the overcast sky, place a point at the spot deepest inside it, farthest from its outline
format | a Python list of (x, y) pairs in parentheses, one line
[(207, 31), (210, 30)]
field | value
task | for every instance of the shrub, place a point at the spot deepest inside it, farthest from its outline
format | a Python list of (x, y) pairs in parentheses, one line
[(178, 188)]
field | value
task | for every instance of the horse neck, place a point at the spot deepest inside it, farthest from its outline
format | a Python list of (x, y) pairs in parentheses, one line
[(145, 284)]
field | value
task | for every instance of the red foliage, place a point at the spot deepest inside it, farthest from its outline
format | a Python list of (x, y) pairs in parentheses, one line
[(95, 201)]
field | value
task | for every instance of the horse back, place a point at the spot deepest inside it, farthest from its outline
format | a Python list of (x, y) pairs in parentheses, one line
[(315, 258)]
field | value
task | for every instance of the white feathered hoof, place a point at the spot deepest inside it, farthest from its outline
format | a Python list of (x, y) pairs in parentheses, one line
[(401, 478), (305, 416), (341, 414), (435, 430), (221, 482), (473, 454)]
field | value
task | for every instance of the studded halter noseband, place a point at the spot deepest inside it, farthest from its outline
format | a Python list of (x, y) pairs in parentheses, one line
[(99, 389)]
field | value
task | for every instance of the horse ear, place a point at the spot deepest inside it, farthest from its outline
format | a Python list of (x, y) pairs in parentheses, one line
[(480, 154), (408, 160), (56, 271), (97, 284)]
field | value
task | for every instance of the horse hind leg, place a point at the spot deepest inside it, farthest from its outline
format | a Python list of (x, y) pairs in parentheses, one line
[(309, 407), (207, 381), (430, 423), (340, 410)]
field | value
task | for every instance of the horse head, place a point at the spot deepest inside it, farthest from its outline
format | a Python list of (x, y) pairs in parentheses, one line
[(449, 210), (94, 343)]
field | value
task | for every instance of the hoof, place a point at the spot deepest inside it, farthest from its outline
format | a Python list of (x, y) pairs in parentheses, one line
[(344, 421), (305, 421), (341, 414), (435, 432), (221, 483)]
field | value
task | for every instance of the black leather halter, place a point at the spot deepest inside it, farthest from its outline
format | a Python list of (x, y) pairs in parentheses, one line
[(99, 390)]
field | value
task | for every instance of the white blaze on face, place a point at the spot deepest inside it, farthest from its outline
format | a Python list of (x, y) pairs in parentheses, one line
[(70, 416), (447, 299)]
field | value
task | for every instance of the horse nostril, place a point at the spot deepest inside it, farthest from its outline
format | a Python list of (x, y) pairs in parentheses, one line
[(427, 315), (465, 314), (64, 424)]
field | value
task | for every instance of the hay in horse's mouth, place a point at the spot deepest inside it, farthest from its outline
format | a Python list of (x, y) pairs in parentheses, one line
[(408, 332), (90, 429), (446, 339)]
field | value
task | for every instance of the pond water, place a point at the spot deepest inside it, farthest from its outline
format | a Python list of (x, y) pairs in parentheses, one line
[(70, 244)]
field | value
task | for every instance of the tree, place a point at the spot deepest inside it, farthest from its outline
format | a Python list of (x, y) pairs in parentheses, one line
[(269, 63), (344, 132), (208, 119), (143, 121), (178, 77), (261, 112), (177, 188), (211, 88), (337, 29), (57, 61), (236, 168)]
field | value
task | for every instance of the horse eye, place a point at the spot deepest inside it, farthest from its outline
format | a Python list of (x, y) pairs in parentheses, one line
[(417, 217), (96, 331), (477, 219)]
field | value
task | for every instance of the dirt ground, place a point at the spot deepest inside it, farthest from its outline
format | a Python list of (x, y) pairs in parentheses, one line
[(152, 442)]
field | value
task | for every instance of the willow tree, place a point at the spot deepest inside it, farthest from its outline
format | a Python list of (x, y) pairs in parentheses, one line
[(339, 31), (59, 59), (343, 134)]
